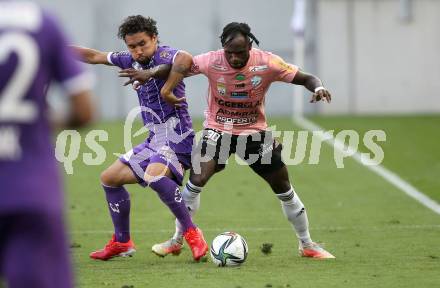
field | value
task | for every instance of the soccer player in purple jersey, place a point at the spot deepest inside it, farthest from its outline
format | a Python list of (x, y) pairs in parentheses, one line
[(33, 52), (160, 161)]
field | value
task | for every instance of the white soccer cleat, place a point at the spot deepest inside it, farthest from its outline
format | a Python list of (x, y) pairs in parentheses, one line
[(171, 246), (314, 250)]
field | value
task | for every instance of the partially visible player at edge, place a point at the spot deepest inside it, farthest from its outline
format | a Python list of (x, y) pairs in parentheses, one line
[(33, 53), (239, 77), (162, 161)]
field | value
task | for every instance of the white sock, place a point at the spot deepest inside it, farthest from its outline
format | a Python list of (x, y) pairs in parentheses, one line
[(191, 196), (296, 213)]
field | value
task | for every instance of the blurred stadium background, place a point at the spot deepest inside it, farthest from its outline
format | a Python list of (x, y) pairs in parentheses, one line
[(376, 56), (381, 61)]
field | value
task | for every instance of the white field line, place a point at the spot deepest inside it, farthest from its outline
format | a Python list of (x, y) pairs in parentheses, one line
[(383, 172), (268, 229)]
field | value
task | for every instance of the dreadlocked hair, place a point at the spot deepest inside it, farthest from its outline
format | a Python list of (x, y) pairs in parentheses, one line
[(233, 29)]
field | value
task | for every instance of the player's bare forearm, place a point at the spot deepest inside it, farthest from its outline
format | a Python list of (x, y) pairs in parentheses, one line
[(313, 84), (167, 90), (90, 56), (142, 76), (177, 73), (181, 67), (173, 79), (161, 71)]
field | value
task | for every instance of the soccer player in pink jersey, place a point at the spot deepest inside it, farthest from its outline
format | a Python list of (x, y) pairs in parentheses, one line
[(239, 77)]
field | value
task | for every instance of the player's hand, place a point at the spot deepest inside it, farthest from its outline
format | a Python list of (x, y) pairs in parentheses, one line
[(323, 95), (171, 99), (140, 76)]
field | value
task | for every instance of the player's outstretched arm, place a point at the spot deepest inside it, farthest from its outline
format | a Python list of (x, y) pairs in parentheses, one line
[(91, 56), (180, 68), (159, 72), (313, 84)]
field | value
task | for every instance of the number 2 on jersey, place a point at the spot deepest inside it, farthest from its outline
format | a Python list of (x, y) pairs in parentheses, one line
[(13, 108)]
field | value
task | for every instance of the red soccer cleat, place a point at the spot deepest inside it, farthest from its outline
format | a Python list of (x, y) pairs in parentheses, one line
[(195, 240), (114, 249)]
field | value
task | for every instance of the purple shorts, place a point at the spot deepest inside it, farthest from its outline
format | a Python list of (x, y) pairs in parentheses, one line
[(142, 155)]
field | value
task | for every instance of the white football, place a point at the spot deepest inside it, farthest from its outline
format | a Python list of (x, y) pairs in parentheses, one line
[(229, 249)]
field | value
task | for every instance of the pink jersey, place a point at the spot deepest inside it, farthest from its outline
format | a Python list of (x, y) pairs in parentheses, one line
[(236, 96)]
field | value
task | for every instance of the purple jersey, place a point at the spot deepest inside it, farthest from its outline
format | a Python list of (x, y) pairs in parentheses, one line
[(33, 53), (166, 123)]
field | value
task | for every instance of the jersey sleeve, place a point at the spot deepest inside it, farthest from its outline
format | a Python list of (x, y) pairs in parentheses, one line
[(121, 59), (281, 70), (200, 64), (65, 68)]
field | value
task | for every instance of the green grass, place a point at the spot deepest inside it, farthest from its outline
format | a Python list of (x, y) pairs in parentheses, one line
[(381, 237), (412, 148)]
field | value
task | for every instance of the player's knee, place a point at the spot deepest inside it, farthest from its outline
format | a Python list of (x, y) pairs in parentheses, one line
[(280, 186), (199, 180), (219, 168), (108, 179), (155, 171), (152, 177)]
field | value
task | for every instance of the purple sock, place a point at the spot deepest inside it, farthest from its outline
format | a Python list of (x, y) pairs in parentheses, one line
[(119, 206), (169, 193)]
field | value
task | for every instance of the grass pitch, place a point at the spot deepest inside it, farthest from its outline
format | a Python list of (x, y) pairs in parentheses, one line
[(380, 236)]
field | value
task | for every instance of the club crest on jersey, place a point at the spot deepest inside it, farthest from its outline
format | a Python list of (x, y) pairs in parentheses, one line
[(258, 68), (255, 81), (165, 54), (218, 67), (221, 88)]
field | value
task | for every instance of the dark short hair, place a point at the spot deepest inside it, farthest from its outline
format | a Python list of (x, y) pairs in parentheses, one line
[(233, 29), (135, 24)]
